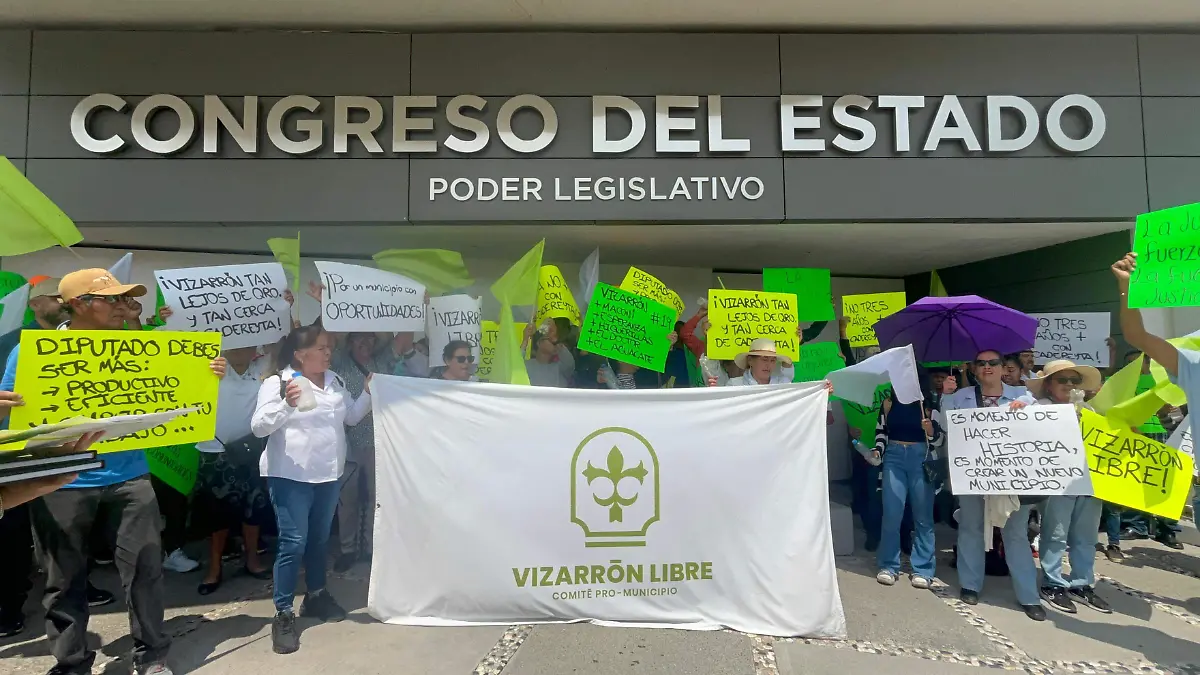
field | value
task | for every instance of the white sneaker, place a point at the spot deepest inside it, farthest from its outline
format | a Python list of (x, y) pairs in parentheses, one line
[(920, 582), (178, 561), (886, 578)]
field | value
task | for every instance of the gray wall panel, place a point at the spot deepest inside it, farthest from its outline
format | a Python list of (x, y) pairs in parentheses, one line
[(1172, 126), (978, 64), (1174, 181), (14, 61), (1169, 64), (185, 62), (573, 64), (767, 207), (14, 113), (131, 191), (1032, 188)]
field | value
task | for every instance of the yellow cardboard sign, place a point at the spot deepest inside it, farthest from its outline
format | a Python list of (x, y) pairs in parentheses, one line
[(554, 298), (488, 336), (738, 318), (862, 311), (1131, 470), (95, 374), (648, 286)]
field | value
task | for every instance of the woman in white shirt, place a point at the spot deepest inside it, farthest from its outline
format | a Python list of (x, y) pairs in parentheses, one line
[(301, 410)]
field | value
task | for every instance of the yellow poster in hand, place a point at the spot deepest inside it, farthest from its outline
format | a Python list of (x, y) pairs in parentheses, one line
[(648, 286), (862, 311), (488, 336), (95, 374), (1131, 470), (738, 318), (554, 298)]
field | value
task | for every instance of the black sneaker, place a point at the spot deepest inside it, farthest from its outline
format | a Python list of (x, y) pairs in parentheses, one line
[(284, 638), (11, 623), (344, 563), (321, 605), (969, 597), (1113, 553), (98, 597), (1058, 598), (1035, 612), (1088, 597), (1169, 541)]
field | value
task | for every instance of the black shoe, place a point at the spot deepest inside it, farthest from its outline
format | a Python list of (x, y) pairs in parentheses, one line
[(1035, 612), (969, 597), (11, 623), (261, 575), (1130, 534), (321, 605), (1113, 553), (1058, 598), (871, 545), (344, 563), (284, 638), (1088, 597), (206, 588), (1169, 541), (98, 597)]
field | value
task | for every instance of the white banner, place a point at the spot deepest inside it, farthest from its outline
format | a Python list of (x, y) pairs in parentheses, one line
[(1181, 440), (677, 508), (1034, 451), (365, 299), (452, 317), (1078, 337), (244, 303)]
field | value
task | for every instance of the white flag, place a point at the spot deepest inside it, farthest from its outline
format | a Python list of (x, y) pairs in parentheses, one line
[(1181, 440), (897, 365), (14, 305), (589, 276), (503, 505), (123, 269)]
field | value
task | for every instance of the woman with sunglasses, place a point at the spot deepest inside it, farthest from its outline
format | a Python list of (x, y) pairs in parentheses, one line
[(976, 511), (1069, 521), (458, 359)]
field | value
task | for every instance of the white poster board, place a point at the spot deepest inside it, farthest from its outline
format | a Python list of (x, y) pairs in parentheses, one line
[(244, 303), (452, 317), (1034, 451), (365, 299), (1076, 336), (1181, 440)]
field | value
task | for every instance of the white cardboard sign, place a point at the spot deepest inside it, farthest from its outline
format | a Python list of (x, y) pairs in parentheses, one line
[(1181, 440), (365, 299), (1034, 451), (1076, 336), (452, 317), (244, 303)]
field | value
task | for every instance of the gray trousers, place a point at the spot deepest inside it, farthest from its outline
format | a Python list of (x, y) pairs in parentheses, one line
[(356, 504), (62, 524)]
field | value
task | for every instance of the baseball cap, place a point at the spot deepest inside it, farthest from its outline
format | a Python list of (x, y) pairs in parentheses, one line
[(96, 282), (43, 286)]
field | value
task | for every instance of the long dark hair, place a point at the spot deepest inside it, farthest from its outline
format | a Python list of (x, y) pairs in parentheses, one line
[(300, 338)]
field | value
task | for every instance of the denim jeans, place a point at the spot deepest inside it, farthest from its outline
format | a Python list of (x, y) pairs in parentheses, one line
[(1111, 518), (904, 481), (1017, 552), (304, 512), (1070, 522)]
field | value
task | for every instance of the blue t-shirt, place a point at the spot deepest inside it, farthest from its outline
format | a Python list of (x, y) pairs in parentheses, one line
[(1189, 380), (118, 466)]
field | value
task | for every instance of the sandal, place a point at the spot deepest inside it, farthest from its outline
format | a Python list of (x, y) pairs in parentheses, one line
[(207, 588)]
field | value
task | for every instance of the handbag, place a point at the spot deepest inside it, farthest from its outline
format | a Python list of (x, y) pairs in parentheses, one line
[(244, 451)]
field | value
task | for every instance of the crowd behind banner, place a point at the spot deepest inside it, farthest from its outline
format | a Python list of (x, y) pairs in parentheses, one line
[(277, 444)]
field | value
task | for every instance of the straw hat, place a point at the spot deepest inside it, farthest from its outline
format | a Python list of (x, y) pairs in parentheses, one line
[(1091, 377), (761, 347)]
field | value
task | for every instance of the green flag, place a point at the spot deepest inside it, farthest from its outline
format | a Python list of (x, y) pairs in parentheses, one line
[(518, 286), (936, 288), (287, 252), (175, 465), (29, 221), (438, 269)]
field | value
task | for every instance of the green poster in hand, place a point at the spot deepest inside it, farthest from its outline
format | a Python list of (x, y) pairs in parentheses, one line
[(863, 417), (627, 327), (175, 465), (814, 299), (817, 360), (1167, 244)]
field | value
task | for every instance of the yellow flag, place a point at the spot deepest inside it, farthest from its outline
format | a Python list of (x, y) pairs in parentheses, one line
[(518, 286), (1118, 398), (29, 221), (438, 269), (936, 288), (287, 252)]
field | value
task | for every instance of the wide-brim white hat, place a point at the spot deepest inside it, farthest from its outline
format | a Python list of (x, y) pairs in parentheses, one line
[(761, 347), (1092, 379)]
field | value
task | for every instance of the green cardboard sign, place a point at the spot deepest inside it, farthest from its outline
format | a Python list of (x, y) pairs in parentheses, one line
[(175, 465), (627, 327), (817, 360), (1167, 244), (814, 298), (864, 418)]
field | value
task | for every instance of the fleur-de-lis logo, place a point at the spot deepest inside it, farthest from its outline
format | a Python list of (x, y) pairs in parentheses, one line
[(614, 473)]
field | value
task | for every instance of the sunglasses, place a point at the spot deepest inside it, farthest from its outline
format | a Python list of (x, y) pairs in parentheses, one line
[(464, 359), (1073, 381), (109, 299), (990, 362)]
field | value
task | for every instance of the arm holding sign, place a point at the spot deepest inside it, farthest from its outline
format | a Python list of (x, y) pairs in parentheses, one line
[(1135, 331)]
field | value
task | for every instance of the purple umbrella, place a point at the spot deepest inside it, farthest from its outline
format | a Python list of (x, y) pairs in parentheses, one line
[(956, 328)]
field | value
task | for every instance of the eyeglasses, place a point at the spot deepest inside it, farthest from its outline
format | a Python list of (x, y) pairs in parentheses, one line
[(109, 299), (464, 359), (1073, 381), (990, 362)]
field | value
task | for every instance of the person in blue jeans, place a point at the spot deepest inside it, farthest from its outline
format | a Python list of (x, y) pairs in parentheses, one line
[(905, 438), (303, 410)]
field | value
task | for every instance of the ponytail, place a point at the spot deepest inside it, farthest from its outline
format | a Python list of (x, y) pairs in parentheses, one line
[(299, 338)]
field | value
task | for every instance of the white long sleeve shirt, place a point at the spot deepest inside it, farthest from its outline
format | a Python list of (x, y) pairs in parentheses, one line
[(310, 446)]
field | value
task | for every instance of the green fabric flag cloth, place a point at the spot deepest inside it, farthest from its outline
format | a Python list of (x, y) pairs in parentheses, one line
[(1120, 401), (175, 465), (287, 252), (29, 221), (936, 288), (1152, 425), (695, 372), (518, 286), (864, 418), (438, 269)]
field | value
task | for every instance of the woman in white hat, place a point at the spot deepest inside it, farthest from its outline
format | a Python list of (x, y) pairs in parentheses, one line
[(1069, 521), (761, 364)]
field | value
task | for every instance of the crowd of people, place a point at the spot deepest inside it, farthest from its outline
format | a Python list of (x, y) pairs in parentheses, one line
[(293, 457)]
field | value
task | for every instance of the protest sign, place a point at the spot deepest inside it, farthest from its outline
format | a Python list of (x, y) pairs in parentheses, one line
[(176, 466), (1034, 451), (1134, 471), (865, 417), (554, 298), (817, 360), (814, 299), (489, 335), (1079, 337), (648, 286), (1167, 244), (96, 374), (365, 299), (627, 327), (738, 318), (244, 303), (1181, 440), (452, 317), (862, 311)]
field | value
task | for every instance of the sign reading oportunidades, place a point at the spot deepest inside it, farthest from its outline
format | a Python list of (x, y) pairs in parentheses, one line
[(357, 298)]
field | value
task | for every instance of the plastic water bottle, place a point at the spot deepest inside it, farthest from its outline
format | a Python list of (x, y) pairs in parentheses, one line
[(308, 399)]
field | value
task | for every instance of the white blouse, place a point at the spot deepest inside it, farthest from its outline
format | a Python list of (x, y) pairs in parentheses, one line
[(310, 446)]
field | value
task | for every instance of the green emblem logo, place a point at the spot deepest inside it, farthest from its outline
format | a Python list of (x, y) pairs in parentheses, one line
[(614, 488)]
